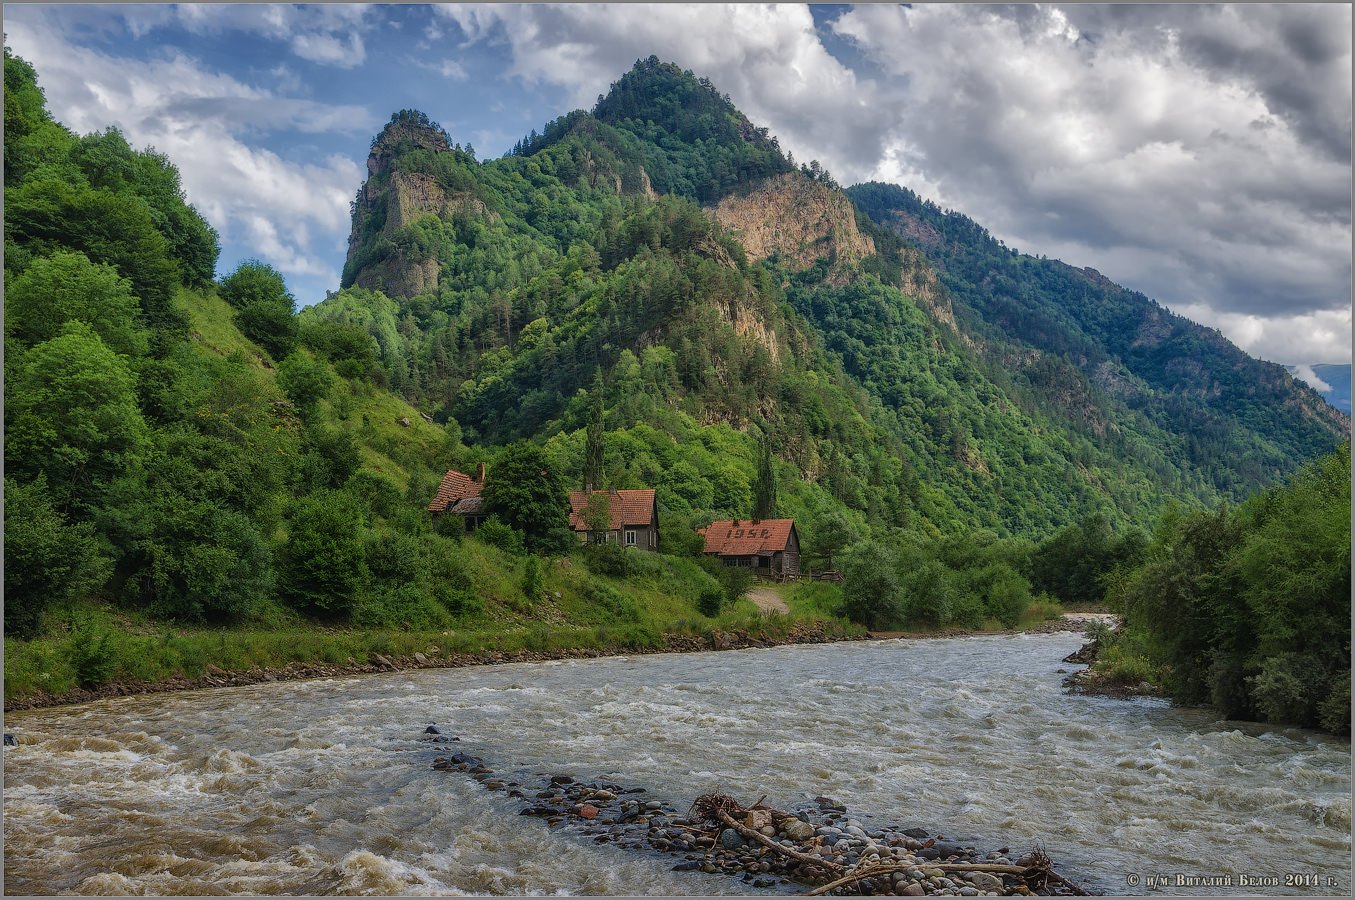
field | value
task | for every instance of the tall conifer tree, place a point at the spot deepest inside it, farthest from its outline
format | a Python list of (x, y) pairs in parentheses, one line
[(764, 491)]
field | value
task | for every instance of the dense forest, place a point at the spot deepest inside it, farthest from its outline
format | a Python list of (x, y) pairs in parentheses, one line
[(191, 450), (1247, 608)]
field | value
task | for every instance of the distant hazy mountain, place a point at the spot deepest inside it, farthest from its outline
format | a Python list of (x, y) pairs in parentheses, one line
[(1331, 381)]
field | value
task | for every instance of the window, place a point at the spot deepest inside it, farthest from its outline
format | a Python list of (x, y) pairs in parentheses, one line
[(630, 538)]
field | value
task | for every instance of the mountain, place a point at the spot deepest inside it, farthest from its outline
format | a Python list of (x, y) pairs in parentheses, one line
[(1329, 380), (908, 367)]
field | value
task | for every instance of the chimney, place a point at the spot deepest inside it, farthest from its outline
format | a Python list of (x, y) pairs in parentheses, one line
[(480, 473)]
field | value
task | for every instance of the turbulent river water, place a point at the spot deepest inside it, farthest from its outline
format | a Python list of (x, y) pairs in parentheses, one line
[(324, 787)]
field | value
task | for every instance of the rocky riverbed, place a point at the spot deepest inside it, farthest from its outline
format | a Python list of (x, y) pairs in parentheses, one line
[(818, 844)]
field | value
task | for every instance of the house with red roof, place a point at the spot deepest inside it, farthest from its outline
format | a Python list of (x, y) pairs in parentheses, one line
[(632, 517), (770, 547), (459, 495)]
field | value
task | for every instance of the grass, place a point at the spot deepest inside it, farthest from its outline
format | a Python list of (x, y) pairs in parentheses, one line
[(212, 323), (94, 643)]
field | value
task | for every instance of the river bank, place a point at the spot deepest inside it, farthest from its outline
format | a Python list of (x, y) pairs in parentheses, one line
[(764, 634)]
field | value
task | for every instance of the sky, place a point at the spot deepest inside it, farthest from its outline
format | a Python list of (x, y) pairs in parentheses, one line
[(1198, 154)]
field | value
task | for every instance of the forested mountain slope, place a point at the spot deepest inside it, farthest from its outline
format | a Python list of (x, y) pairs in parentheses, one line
[(665, 241), (1205, 405)]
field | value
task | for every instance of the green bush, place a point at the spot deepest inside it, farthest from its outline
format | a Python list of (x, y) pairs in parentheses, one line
[(48, 560), (269, 324), (495, 533), (711, 602), (322, 566), (736, 582), (1008, 596), (620, 607), (607, 559), (533, 580), (255, 282), (1334, 711), (405, 606), (928, 594), (92, 652), (870, 586), (304, 380), (1288, 688)]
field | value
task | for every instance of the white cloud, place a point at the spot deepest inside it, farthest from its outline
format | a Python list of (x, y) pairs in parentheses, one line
[(327, 34), (284, 210), (1306, 373), (1318, 337)]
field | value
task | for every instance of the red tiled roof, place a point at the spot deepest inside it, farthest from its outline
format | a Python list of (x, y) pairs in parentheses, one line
[(741, 537), (455, 486), (624, 508)]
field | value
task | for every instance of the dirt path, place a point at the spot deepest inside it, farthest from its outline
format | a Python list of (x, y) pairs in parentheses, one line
[(767, 601)]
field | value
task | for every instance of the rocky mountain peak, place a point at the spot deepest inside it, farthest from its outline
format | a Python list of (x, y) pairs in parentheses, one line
[(407, 130)]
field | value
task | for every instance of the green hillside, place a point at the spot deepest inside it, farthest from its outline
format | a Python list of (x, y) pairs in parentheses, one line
[(196, 473), (1179, 394)]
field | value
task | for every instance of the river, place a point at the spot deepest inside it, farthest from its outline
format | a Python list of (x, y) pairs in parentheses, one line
[(325, 787)]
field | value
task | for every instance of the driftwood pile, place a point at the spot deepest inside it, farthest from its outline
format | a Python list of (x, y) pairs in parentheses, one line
[(818, 847)]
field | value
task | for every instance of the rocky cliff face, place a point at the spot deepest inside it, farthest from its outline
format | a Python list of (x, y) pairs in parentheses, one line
[(397, 201), (800, 219)]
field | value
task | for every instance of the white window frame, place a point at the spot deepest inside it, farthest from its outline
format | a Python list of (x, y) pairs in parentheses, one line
[(632, 537)]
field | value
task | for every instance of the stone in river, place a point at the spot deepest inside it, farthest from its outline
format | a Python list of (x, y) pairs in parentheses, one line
[(910, 890), (984, 881), (604, 796), (10, 741), (588, 811), (918, 833), (797, 830), (947, 848), (432, 729), (731, 839), (758, 819)]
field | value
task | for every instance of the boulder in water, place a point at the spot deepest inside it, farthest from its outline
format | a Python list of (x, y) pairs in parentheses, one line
[(11, 741)]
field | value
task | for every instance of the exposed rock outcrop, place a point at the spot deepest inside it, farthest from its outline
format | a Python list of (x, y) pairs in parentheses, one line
[(800, 219)]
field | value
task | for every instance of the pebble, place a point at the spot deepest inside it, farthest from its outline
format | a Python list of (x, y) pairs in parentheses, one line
[(984, 881), (731, 839)]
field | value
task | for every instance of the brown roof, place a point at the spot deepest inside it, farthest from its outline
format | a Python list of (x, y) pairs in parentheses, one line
[(624, 508), (455, 486), (741, 537)]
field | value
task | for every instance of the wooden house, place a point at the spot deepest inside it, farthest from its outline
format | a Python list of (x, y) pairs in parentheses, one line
[(632, 518), (771, 548), (459, 495)]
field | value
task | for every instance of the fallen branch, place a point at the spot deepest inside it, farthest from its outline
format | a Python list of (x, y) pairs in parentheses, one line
[(889, 868), (1070, 885), (773, 845)]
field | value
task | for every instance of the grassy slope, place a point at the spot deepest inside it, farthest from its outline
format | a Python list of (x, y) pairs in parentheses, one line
[(96, 642)]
